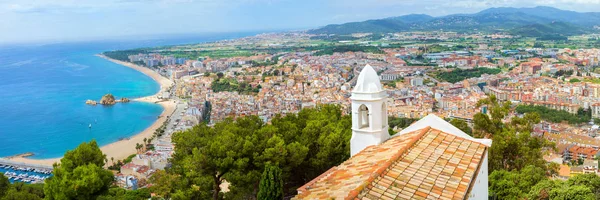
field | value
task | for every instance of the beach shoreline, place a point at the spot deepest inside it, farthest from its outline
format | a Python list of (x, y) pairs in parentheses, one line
[(121, 149)]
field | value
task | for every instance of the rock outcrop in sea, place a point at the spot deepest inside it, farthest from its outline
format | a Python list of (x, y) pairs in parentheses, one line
[(108, 99), (91, 102)]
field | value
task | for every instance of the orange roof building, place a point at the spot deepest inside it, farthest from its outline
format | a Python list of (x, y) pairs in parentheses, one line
[(430, 159)]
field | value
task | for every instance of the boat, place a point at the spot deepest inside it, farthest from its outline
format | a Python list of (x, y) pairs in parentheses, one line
[(90, 126)]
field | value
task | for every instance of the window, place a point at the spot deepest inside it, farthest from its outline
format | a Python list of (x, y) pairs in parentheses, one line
[(363, 116)]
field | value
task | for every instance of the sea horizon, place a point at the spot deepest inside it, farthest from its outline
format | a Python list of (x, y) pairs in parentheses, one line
[(147, 40), (43, 100)]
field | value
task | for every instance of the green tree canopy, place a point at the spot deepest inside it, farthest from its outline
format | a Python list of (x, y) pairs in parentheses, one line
[(491, 122), (462, 125), (14, 194), (542, 189), (515, 184), (80, 174), (230, 84), (163, 183), (303, 145), (566, 192), (85, 153), (19, 190), (271, 184), (513, 146), (591, 181), (4, 185), (120, 193), (556, 189), (460, 74), (557, 116)]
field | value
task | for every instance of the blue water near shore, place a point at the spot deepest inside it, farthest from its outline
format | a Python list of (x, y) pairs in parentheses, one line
[(43, 89)]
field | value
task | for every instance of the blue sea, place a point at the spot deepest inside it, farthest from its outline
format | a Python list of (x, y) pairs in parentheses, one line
[(43, 89)]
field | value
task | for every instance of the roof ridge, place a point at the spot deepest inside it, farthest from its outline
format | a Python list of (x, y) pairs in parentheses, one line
[(474, 140), (355, 192), (318, 178), (444, 126)]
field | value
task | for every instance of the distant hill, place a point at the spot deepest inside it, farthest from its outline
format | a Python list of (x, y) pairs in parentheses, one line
[(412, 18), (373, 26), (534, 22), (583, 19), (551, 30)]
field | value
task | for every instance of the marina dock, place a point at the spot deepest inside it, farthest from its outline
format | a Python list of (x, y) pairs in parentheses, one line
[(22, 172)]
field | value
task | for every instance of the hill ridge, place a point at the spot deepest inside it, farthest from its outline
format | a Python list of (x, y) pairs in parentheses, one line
[(535, 22)]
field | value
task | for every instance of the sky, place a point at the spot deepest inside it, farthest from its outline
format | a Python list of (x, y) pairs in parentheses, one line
[(76, 20)]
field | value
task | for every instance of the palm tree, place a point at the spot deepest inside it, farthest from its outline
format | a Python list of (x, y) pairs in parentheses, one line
[(112, 160), (145, 143), (138, 147)]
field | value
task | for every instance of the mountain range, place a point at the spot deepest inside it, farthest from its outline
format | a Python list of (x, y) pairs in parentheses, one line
[(538, 21)]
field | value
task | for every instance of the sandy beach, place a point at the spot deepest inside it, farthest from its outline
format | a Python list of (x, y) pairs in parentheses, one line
[(121, 149)]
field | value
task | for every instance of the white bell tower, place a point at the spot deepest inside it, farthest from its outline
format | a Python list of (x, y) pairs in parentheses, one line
[(369, 112)]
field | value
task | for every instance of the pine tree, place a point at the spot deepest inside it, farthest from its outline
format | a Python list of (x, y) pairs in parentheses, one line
[(80, 174), (271, 184), (4, 185)]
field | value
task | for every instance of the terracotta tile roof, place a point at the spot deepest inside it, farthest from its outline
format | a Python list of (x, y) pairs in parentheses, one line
[(565, 171), (423, 164)]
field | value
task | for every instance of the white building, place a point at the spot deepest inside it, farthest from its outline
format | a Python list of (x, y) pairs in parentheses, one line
[(197, 64), (430, 159), (154, 160), (368, 98), (391, 75), (416, 81)]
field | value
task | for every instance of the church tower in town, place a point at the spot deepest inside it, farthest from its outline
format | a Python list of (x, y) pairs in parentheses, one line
[(369, 112), (378, 159)]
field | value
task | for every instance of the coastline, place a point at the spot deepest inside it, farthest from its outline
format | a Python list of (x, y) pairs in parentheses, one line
[(121, 149)]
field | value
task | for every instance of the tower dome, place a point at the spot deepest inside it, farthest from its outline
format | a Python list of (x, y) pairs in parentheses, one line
[(368, 81)]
